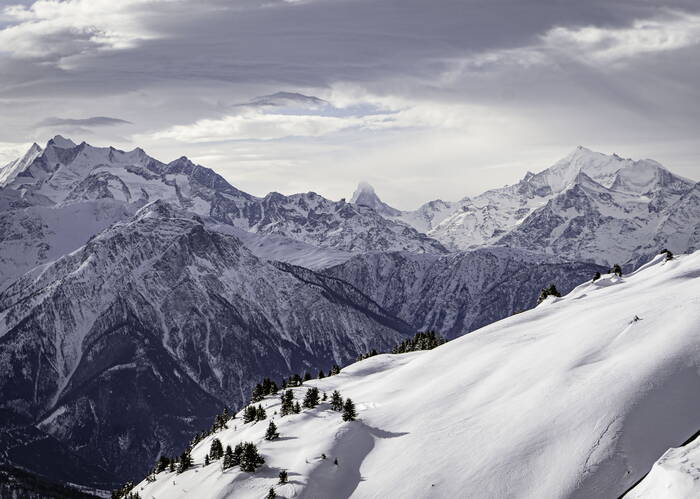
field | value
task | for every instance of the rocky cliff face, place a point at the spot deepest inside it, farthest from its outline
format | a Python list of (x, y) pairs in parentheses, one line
[(457, 293)]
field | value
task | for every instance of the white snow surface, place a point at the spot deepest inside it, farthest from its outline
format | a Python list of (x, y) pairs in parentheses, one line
[(574, 399), (676, 475)]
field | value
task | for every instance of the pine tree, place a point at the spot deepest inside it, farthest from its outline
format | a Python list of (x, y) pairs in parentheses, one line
[(307, 376), (250, 458), (206, 460), (546, 292), (258, 393), (271, 432), (311, 398), (297, 408), (617, 270), (172, 466), (250, 414), (216, 450), (185, 462), (596, 276), (349, 413), (162, 464), (271, 494), (321, 374), (669, 255), (336, 401), (334, 370), (237, 454), (228, 458), (260, 414), (324, 396), (283, 477), (287, 403)]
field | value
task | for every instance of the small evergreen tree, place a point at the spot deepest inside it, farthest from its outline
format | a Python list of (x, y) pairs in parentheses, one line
[(250, 458), (216, 450), (287, 403), (206, 460), (271, 494), (546, 292), (271, 432), (250, 414), (171, 468), (336, 401), (669, 255), (617, 270), (334, 370), (321, 374), (260, 414), (307, 376), (349, 413), (311, 398), (237, 454), (283, 477), (228, 458), (163, 463), (324, 396), (297, 408), (185, 462), (596, 276)]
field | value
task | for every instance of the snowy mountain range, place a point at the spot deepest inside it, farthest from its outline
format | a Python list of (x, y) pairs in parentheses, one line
[(138, 298), (576, 398), (587, 207)]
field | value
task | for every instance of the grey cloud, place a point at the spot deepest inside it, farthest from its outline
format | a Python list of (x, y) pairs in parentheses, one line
[(83, 122)]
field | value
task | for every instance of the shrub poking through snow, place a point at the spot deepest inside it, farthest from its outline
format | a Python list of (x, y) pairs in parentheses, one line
[(283, 477), (596, 276), (617, 270), (669, 255), (349, 413)]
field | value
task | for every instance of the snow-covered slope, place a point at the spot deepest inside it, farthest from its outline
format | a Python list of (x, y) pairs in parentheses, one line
[(460, 292), (130, 342), (574, 399), (676, 475)]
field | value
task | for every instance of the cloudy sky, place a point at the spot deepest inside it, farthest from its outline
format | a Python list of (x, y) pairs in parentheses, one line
[(422, 98)]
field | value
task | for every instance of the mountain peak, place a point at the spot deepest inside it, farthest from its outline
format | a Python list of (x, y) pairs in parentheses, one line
[(365, 195), (61, 142)]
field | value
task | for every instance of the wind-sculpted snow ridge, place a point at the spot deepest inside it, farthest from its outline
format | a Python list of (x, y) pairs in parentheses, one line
[(460, 292), (123, 347), (676, 475), (587, 207), (574, 399)]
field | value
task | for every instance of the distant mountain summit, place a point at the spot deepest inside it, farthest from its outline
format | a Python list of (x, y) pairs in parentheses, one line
[(364, 195), (587, 206)]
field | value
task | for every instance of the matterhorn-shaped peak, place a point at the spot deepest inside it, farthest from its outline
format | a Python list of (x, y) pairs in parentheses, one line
[(365, 196)]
